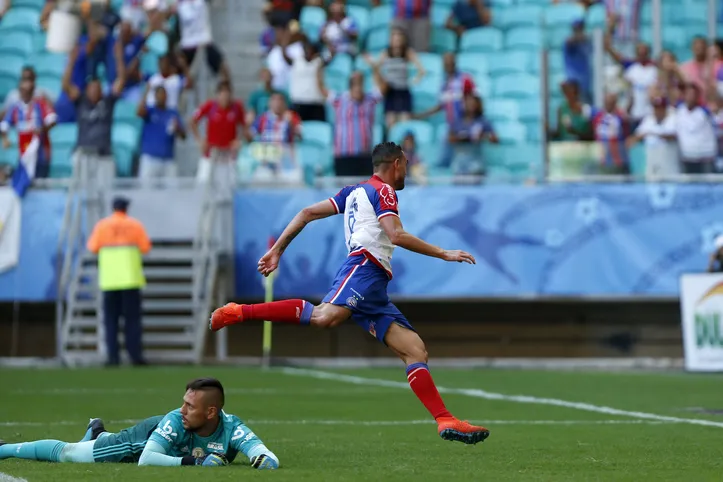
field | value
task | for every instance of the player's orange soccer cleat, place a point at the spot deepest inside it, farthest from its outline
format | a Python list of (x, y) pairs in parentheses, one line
[(228, 314), (452, 429)]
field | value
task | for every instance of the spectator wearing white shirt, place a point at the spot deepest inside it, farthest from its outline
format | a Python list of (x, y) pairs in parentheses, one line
[(658, 131), (306, 83), (696, 133), (195, 26), (340, 33), (288, 45), (641, 74), (168, 77)]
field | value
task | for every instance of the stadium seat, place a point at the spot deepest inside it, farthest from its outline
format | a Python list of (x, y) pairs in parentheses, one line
[(518, 16), (316, 132), (149, 63), (7, 83), (361, 17), (485, 39), (378, 39), (61, 161), (335, 81), (442, 40), (157, 43), (49, 63), (563, 14), (50, 83), (341, 64), (311, 21), (38, 42), (517, 86), (125, 135), (423, 131), (429, 84), (377, 134), (483, 84), (439, 14), (315, 160), (596, 16), (123, 156), (125, 112), (362, 66), (530, 111), (511, 132), (555, 61), (472, 63), (11, 64), (19, 43), (509, 62), (32, 4), (64, 134), (22, 19), (556, 37), (380, 17), (524, 38), (501, 110), (431, 62)]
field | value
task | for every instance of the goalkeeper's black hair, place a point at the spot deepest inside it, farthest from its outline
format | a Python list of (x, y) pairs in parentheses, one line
[(208, 385)]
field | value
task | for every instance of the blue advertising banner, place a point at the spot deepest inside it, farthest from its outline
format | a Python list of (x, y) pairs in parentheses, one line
[(556, 240)]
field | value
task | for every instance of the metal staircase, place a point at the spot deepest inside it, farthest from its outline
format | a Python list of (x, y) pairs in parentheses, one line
[(180, 273)]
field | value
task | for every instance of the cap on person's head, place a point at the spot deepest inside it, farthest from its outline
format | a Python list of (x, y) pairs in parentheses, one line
[(718, 242), (121, 203), (579, 23)]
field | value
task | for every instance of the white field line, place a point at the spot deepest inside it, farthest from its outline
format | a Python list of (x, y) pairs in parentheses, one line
[(368, 423), (234, 391), (477, 393), (9, 478)]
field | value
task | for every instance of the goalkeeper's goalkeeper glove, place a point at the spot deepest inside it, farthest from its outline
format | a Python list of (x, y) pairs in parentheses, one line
[(210, 460), (263, 461)]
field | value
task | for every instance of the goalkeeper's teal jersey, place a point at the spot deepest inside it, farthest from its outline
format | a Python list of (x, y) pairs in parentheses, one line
[(230, 438)]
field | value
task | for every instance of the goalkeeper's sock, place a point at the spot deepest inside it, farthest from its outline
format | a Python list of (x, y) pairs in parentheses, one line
[(286, 311), (45, 450), (420, 380)]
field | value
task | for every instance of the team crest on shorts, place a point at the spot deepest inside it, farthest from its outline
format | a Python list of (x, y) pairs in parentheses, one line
[(198, 452), (351, 301), (372, 329)]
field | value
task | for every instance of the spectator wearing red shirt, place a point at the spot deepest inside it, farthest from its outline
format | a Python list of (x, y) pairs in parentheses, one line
[(226, 121)]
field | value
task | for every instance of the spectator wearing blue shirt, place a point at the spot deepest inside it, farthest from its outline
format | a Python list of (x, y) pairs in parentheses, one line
[(577, 54), (467, 15), (160, 128), (467, 134), (123, 58)]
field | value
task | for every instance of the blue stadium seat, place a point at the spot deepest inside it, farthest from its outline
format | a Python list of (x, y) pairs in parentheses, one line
[(518, 16), (439, 14), (157, 43), (123, 156), (61, 162), (483, 84), (18, 43), (49, 63), (33, 4), (472, 63), (149, 63), (311, 21), (64, 134), (501, 110), (431, 62), (485, 39), (38, 41), (125, 112), (7, 83), (511, 132), (530, 111), (509, 62), (555, 61), (316, 132), (361, 17), (335, 81), (556, 37), (125, 135), (517, 86), (50, 83), (11, 64), (378, 39), (377, 134), (423, 131), (361, 65), (524, 38), (23, 19), (690, 31), (380, 17), (315, 160), (442, 40), (429, 84), (596, 16), (341, 64), (543, 3), (563, 14)]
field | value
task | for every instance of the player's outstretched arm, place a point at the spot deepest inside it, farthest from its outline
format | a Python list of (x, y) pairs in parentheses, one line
[(270, 261), (246, 442), (392, 226)]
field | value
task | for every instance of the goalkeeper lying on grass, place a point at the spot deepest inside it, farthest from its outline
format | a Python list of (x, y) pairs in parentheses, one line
[(199, 433)]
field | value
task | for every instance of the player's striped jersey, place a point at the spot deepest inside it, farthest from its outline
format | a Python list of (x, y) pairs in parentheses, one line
[(363, 205), (231, 437)]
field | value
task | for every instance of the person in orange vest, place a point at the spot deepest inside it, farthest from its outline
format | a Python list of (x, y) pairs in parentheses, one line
[(120, 241)]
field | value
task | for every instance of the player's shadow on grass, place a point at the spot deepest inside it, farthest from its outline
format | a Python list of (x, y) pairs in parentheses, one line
[(485, 244)]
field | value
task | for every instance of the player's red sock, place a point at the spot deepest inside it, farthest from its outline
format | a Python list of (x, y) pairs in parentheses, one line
[(423, 387), (286, 311)]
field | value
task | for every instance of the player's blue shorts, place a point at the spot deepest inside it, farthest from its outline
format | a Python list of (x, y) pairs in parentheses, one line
[(361, 286)]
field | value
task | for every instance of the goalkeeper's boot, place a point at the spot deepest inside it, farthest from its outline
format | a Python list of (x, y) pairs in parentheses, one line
[(450, 428), (228, 314), (97, 427)]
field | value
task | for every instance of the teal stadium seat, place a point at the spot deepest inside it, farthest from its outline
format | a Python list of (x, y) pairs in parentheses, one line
[(49, 63), (125, 135), (362, 66), (509, 62), (472, 63), (517, 86), (483, 84), (524, 38), (442, 40), (361, 18), (335, 81), (501, 110), (311, 21), (149, 63), (18, 43), (7, 83), (50, 83), (377, 134), (511, 132), (11, 64), (61, 161), (38, 42), (22, 19), (32, 4), (157, 43), (423, 131), (125, 112), (378, 39), (380, 17), (341, 64), (64, 134), (315, 160), (556, 37), (563, 14), (542, 3), (432, 63), (316, 132), (438, 14), (485, 39), (596, 16), (518, 16), (530, 111)]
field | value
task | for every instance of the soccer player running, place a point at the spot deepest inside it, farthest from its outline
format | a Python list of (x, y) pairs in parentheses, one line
[(373, 229), (198, 433)]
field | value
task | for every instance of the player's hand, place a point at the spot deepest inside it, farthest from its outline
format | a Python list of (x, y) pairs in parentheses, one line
[(269, 262), (212, 460), (263, 461), (458, 256)]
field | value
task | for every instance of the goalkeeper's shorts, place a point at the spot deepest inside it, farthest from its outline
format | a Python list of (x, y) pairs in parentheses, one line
[(125, 446)]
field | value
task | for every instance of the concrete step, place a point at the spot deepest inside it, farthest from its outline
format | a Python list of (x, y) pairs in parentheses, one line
[(149, 322), (167, 305), (174, 253), (168, 289), (161, 272), (149, 339)]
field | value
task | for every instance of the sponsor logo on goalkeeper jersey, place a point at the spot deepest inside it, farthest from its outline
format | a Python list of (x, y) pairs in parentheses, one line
[(166, 431), (215, 446)]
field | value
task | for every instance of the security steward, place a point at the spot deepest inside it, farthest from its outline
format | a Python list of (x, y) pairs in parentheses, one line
[(119, 241)]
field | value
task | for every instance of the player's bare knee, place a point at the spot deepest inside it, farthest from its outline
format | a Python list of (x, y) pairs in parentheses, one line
[(416, 354)]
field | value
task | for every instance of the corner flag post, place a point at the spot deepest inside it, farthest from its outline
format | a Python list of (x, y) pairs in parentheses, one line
[(269, 297)]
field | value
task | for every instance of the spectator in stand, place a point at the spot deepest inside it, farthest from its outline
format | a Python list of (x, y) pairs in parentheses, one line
[(124, 53), (340, 32), (195, 26), (412, 16), (306, 83), (625, 17), (696, 133), (577, 54), (168, 77), (669, 79), (281, 127), (4, 7), (225, 126), (610, 127), (45, 13), (259, 99), (416, 168), (573, 116), (354, 123), (394, 62), (133, 12), (641, 74), (716, 110), (467, 15), (93, 159), (288, 45), (659, 133), (161, 126), (13, 97), (703, 67), (284, 11), (32, 117), (267, 39), (466, 137)]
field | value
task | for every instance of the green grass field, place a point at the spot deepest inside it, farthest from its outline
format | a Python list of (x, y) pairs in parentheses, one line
[(354, 426)]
